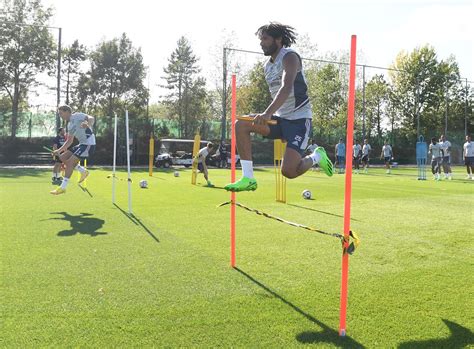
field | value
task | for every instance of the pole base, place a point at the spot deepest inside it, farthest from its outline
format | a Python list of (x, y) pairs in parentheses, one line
[(342, 333)]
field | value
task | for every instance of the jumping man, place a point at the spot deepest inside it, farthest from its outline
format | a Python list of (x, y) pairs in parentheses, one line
[(290, 108), (80, 127)]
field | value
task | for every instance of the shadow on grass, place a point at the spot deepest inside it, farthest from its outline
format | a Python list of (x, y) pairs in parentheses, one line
[(327, 335), (135, 220), (207, 187), (460, 337), (323, 212), (80, 224)]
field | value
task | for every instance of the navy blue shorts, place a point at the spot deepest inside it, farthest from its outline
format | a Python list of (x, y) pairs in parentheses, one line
[(294, 132), (83, 151), (469, 160), (446, 160), (387, 159)]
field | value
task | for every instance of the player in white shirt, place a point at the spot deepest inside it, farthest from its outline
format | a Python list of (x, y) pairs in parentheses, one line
[(366, 149), (79, 127), (446, 147), (340, 151), (387, 155), (468, 155), (436, 152), (201, 160), (356, 151)]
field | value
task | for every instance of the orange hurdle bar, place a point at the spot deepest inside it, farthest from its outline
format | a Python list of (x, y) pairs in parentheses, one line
[(250, 118)]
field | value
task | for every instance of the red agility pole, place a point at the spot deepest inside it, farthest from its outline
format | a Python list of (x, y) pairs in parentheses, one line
[(232, 171), (348, 191)]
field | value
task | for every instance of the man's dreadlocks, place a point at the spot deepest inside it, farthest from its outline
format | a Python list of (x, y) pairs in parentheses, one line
[(278, 30)]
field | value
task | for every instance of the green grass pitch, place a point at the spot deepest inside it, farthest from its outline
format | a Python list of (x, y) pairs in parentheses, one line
[(77, 271)]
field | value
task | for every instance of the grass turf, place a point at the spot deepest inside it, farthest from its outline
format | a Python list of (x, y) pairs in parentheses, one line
[(79, 271)]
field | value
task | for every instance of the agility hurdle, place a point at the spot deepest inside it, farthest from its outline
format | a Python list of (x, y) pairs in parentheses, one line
[(196, 145), (84, 184), (349, 239), (129, 177), (151, 155), (279, 148)]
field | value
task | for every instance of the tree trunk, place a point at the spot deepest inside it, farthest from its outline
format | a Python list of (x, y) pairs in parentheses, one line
[(15, 104)]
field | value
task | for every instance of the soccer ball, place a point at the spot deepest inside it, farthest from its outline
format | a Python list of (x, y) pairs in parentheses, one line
[(143, 184), (306, 194), (176, 173)]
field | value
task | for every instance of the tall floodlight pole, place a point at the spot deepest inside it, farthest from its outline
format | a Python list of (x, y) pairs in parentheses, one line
[(363, 102), (465, 110), (58, 90), (224, 94)]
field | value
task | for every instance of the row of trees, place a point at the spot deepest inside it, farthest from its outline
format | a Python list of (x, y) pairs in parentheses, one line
[(109, 78), (417, 85)]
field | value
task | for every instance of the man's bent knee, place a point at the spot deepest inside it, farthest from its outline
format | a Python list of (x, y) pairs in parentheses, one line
[(289, 173)]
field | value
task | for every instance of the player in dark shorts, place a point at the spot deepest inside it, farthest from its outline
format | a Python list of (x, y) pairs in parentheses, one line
[(290, 107)]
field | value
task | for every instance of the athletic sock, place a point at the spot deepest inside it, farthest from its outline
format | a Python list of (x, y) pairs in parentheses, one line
[(247, 168), (80, 169), (315, 156), (64, 183)]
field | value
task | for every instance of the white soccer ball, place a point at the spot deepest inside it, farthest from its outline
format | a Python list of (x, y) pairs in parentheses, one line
[(306, 194), (143, 184), (176, 173)]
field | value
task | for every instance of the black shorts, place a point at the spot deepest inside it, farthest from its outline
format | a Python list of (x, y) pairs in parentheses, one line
[(83, 151), (387, 159), (469, 161), (57, 160), (446, 160), (294, 132), (365, 158)]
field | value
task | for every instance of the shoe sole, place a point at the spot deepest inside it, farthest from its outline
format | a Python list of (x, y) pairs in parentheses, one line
[(252, 187), (82, 180)]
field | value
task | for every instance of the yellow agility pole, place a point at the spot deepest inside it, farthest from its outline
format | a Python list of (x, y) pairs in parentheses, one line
[(84, 185), (151, 155), (279, 148), (197, 143)]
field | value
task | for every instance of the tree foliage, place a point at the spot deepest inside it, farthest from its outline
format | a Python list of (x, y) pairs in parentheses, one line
[(27, 49)]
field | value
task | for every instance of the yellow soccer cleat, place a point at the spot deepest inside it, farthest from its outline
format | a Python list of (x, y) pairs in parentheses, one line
[(83, 177), (58, 191)]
